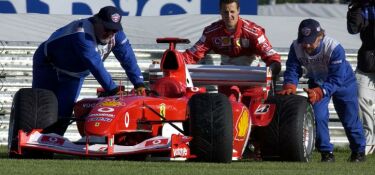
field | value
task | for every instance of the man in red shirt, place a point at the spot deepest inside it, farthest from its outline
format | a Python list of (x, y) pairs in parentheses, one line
[(238, 41)]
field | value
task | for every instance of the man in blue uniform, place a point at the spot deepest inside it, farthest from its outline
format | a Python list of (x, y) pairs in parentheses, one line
[(72, 52), (329, 75)]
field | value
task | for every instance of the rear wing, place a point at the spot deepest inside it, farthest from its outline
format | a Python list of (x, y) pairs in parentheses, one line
[(222, 75)]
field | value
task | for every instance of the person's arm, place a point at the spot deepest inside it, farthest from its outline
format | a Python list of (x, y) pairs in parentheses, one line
[(293, 70), (337, 70), (125, 55), (292, 74), (198, 51), (264, 49), (84, 47), (355, 20)]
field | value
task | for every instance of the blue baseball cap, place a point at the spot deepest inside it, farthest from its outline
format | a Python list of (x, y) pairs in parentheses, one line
[(308, 31), (110, 17)]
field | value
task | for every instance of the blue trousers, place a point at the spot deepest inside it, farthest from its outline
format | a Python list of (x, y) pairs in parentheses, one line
[(65, 87), (345, 101)]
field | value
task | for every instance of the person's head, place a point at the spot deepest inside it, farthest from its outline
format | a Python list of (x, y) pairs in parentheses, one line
[(230, 10), (106, 23), (310, 34)]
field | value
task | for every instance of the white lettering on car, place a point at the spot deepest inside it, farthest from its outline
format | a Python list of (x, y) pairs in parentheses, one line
[(106, 109), (181, 152), (126, 119)]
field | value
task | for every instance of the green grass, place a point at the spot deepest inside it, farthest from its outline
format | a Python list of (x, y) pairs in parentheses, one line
[(71, 165)]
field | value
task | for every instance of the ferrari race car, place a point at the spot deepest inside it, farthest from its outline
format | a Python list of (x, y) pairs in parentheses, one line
[(175, 120)]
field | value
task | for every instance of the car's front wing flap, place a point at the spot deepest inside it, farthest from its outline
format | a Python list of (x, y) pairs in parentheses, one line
[(176, 145)]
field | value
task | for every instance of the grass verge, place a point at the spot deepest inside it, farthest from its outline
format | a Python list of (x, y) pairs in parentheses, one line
[(72, 165)]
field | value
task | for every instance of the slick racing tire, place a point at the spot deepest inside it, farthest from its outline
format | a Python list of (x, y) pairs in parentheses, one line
[(291, 134), (211, 126), (31, 109)]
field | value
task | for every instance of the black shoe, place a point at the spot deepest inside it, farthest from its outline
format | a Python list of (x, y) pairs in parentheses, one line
[(357, 157), (327, 157)]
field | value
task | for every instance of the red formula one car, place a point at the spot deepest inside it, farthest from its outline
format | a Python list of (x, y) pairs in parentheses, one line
[(175, 120)]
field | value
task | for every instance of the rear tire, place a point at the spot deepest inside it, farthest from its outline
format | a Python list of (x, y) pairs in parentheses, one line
[(31, 109), (211, 126), (291, 134)]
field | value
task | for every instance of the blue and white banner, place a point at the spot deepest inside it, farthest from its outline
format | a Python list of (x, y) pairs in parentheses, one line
[(129, 7)]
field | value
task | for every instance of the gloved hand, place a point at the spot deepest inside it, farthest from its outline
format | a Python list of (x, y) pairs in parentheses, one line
[(116, 91), (275, 68), (288, 89), (314, 94), (140, 89)]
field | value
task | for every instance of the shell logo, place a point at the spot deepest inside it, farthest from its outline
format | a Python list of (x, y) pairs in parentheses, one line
[(242, 125), (111, 103), (238, 43)]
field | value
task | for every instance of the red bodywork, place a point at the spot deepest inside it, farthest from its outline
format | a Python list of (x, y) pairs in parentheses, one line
[(132, 124)]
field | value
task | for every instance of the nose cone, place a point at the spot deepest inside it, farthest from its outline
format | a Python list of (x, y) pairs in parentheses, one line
[(98, 126), (101, 119)]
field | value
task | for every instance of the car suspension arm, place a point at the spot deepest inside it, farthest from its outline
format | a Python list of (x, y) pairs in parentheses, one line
[(162, 117)]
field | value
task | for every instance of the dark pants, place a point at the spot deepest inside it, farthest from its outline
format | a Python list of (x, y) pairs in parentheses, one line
[(65, 87)]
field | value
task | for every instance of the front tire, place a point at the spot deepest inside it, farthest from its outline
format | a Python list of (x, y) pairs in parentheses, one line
[(211, 126), (31, 109)]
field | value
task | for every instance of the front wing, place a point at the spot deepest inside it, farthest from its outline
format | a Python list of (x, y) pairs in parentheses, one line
[(176, 145)]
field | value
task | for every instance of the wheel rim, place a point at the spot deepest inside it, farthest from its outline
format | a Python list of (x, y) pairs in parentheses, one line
[(308, 132)]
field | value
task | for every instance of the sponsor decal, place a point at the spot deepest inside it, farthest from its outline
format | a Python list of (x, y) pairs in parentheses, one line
[(103, 149), (127, 7), (106, 109), (126, 119), (261, 39), (116, 17), (242, 125), (156, 142), (88, 105), (99, 119), (271, 52), (217, 41), (52, 140), (194, 89), (262, 108), (238, 42), (225, 41), (162, 109), (111, 103), (306, 31), (180, 152), (101, 115), (337, 62)]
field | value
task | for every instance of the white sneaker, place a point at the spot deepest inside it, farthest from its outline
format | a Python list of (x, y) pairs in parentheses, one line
[(369, 149)]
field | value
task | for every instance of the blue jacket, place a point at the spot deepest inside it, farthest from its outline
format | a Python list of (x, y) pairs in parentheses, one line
[(326, 67), (74, 50)]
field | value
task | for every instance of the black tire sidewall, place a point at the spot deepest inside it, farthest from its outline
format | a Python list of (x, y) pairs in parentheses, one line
[(211, 126), (285, 134), (31, 109)]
